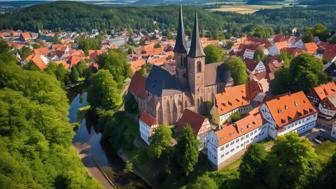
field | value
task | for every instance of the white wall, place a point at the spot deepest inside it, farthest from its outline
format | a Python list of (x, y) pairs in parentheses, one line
[(329, 113), (218, 154), (145, 132)]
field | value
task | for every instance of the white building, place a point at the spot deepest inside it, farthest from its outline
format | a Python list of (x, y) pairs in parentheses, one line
[(231, 139), (289, 113), (147, 126)]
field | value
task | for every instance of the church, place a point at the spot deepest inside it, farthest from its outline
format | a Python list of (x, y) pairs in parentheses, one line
[(194, 86)]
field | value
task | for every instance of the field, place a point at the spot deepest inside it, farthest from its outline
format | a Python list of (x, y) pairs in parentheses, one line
[(244, 9)]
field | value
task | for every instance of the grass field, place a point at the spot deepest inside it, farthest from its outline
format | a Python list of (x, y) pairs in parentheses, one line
[(244, 9)]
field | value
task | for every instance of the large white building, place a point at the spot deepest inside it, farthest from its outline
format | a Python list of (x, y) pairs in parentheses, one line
[(236, 137), (278, 116), (289, 113)]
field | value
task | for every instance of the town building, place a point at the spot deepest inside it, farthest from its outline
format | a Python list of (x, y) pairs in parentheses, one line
[(317, 94), (147, 126), (289, 113), (231, 139), (200, 125), (193, 85), (234, 99)]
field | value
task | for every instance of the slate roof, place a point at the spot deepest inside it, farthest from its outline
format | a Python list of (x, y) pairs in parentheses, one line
[(196, 49), (216, 73), (331, 70), (160, 82), (180, 44)]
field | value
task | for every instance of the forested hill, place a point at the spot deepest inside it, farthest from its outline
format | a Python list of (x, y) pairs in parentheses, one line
[(76, 16)]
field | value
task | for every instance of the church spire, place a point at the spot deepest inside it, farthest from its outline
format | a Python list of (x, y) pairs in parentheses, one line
[(196, 49), (180, 44)]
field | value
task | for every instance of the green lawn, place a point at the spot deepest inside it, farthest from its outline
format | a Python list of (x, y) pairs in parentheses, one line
[(325, 151)]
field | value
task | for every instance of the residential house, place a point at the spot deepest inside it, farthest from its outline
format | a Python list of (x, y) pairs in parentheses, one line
[(253, 67), (233, 138), (276, 48), (147, 126), (234, 99), (310, 48), (25, 36), (317, 94), (200, 125), (289, 113)]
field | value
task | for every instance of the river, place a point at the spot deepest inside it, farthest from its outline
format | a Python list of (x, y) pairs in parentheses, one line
[(101, 162)]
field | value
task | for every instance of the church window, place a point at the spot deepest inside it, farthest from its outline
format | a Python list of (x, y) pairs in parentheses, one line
[(199, 66)]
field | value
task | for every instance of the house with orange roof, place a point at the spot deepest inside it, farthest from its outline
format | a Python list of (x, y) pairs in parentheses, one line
[(311, 47), (317, 94), (289, 113), (25, 36), (39, 60), (200, 125), (147, 126), (136, 64), (276, 48), (236, 137), (234, 99)]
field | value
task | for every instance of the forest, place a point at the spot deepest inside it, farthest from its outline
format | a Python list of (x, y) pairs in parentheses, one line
[(35, 134), (84, 17)]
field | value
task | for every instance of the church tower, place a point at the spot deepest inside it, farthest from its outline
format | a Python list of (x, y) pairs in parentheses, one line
[(196, 68), (180, 52)]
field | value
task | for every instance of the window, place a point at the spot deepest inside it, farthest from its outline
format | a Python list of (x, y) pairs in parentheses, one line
[(199, 66)]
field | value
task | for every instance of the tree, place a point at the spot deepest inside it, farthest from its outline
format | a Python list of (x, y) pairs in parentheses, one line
[(131, 105), (74, 75), (307, 37), (103, 91), (187, 150), (303, 73), (237, 69), (292, 163), (157, 45), (204, 182), (214, 53), (128, 167), (320, 31), (259, 55), (327, 178), (160, 142), (116, 62), (306, 72), (252, 168), (59, 71), (25, 52)]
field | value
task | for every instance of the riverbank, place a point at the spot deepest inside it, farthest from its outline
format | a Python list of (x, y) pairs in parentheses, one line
[(101, 162)]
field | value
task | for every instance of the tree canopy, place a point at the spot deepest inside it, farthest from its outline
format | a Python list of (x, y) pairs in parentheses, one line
[(35, 132), (237, 69), (103, 91), (304, 72), (214, 53), (160, 142), (252, 169), (116, 62), (187, 150), (292, 163)]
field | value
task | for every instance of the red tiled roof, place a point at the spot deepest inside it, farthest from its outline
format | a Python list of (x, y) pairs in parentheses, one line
[(249, 123), (288, 108), (194, 119), (310, 47), (26, 36), (148, 119), (137, 85), (324, 90), (250, 64), (236, 96), (279, 38), (136, 64)]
